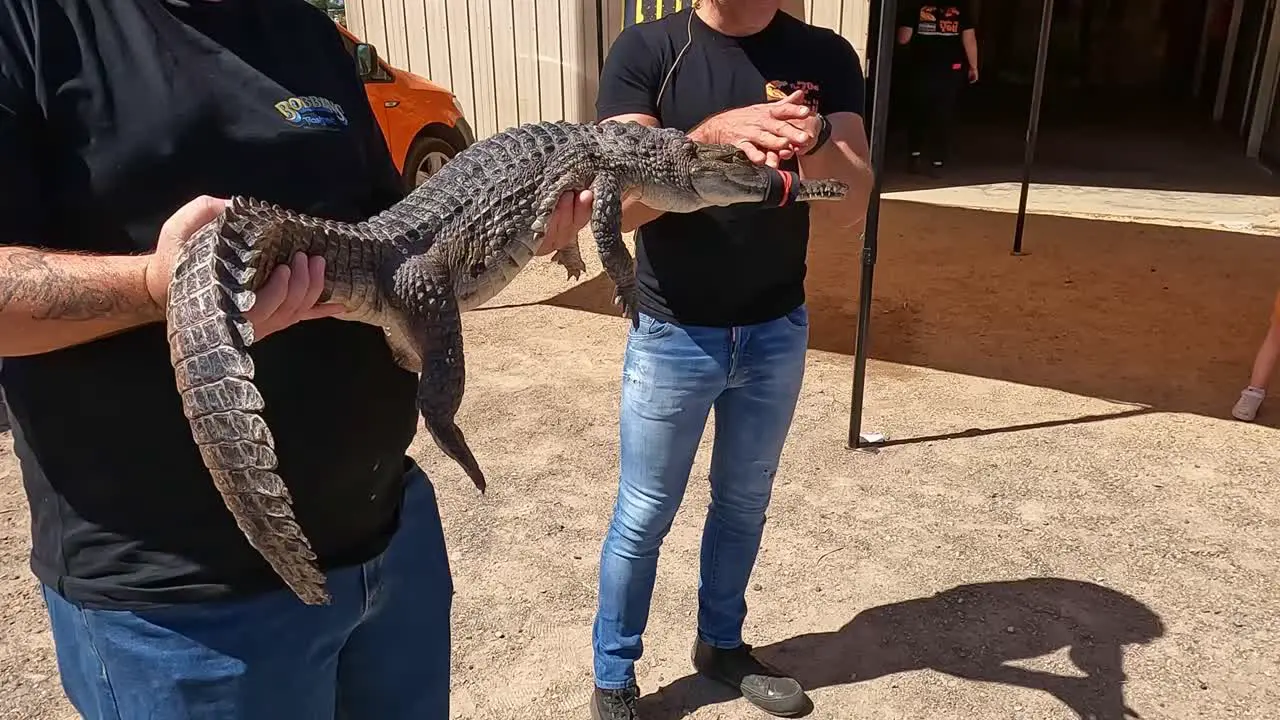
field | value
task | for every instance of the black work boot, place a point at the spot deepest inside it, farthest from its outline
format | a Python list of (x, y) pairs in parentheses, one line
[(615, 704), (762, 686)]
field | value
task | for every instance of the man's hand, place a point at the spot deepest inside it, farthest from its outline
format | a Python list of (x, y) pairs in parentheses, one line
[(288, 297), (810, 124), (176, 230), (765, 132), (973, 74), (569, 217)]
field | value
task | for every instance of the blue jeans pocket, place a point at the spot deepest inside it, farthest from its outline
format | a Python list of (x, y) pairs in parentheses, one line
[(799, 316), (648, 327)]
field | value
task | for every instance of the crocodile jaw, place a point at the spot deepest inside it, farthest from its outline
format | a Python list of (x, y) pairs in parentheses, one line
[(722, 175)]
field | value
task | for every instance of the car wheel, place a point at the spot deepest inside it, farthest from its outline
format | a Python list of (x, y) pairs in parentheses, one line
[(426, 156)]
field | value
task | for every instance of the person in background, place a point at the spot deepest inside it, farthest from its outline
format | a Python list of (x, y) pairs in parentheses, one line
[(123, 125), (723, 322), (1264, 365), (942, 50)]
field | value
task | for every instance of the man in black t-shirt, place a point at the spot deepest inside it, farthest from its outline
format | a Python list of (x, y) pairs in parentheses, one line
[(941, 42), (113, 115), (723, 321)]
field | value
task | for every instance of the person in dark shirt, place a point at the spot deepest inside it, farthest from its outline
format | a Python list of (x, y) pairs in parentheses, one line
[(113, 117), (942, 49), (723, 322)]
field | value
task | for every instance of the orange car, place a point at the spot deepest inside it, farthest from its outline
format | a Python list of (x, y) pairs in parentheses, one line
[(422, 122)]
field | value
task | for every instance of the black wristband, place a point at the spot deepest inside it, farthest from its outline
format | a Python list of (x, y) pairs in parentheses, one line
[(824, 134), (783, 187)]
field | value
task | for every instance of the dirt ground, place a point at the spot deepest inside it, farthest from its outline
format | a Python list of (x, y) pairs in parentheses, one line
[(1064, 522)]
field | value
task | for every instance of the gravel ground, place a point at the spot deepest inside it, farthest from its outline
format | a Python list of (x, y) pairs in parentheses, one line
[(1065, 523)]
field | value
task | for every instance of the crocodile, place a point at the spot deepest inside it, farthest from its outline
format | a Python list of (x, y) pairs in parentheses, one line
[(449, 245)]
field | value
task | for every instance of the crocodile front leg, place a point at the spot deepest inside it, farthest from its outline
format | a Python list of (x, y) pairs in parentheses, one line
[(606, 226), (433, 322), (570, 256), (568, 178)]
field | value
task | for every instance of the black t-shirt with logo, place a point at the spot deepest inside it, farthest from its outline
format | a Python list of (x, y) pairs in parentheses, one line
[(740, 264), (935, 33), (112, 116)]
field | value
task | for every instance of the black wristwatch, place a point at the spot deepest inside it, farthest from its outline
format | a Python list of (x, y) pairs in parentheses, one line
[(824, 134)]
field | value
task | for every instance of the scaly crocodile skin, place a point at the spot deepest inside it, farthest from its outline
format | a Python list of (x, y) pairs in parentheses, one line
[(454, 243)]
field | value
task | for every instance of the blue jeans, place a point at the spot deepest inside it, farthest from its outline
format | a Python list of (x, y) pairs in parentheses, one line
[(673, 376), (379, 651)]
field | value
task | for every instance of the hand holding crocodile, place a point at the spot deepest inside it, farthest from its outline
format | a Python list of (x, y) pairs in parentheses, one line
[(175, 232), (289, 296), (762, 131), (572, 213)]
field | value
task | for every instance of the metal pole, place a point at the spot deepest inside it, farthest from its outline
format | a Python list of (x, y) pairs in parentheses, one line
[(874, 31), (882, 72), (1267, 88), (1033, 124), (600, 39), (1228, 60), (1202, 53)]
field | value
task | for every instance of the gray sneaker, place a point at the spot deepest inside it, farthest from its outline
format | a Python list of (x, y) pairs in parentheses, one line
[(1246, 407)]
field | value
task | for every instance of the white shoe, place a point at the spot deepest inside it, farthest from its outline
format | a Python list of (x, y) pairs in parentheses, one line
[(1247, 406)]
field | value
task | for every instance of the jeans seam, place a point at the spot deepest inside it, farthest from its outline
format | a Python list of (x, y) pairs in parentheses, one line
[(97, 656), (713, 565), (365, 601), (735, 350)]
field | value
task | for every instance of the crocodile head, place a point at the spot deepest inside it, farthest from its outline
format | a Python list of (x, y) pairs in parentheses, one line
[(707, 175)]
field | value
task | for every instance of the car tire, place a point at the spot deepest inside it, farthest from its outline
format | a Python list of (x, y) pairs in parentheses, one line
[(426, 156)]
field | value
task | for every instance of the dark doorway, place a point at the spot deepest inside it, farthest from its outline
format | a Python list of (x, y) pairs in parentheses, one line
[(1120, 94)]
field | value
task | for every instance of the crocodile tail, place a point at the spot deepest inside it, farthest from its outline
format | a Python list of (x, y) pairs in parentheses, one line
[(214, 279)]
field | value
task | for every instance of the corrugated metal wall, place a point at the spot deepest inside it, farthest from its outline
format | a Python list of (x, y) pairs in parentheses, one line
[(513, 61), (847, 17)]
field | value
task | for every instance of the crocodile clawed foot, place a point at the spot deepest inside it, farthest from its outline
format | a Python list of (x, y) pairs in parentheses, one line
[(571, 259), (626, 303)]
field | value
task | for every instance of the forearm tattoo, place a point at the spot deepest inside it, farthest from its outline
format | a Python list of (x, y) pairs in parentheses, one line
[(50, 290)]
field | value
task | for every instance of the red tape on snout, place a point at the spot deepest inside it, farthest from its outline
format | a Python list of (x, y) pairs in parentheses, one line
[(783, 188)]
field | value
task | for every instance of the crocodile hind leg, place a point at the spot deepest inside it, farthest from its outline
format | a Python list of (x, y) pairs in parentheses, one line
[(433, 323), (567, 179), (606, 226), (404, 352)]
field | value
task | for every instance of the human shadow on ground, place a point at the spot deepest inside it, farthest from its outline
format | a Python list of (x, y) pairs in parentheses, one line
[(970, 631)]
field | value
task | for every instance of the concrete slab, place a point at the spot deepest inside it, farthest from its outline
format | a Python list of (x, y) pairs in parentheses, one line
[(1243, 213)]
